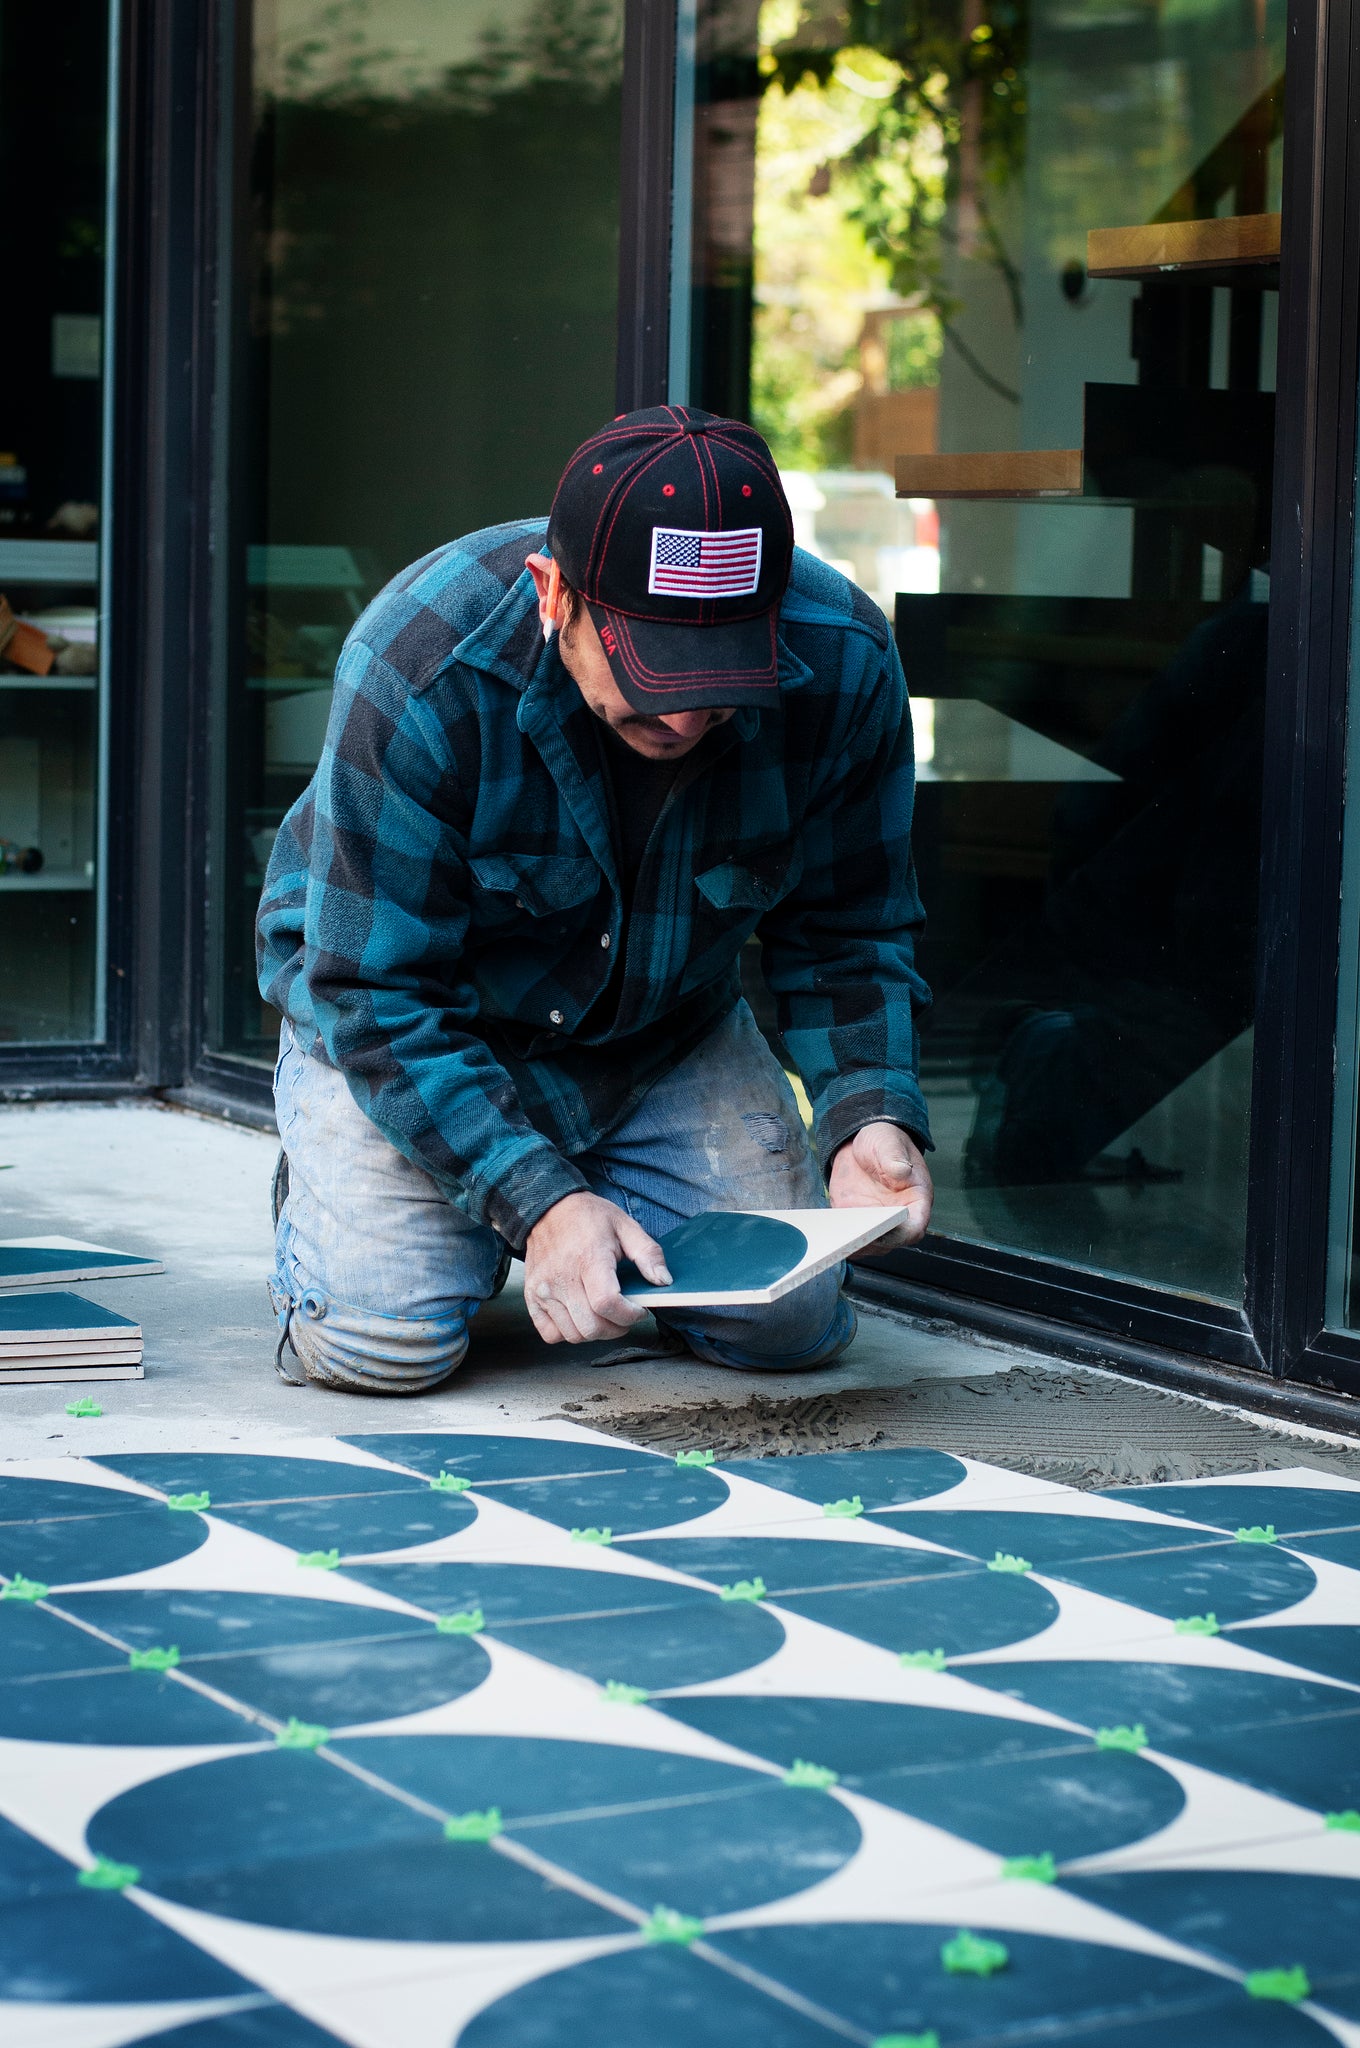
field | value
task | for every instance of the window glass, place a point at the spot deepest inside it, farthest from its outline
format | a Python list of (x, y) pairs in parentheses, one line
[(999, 279), (54, 118), (433, 253)]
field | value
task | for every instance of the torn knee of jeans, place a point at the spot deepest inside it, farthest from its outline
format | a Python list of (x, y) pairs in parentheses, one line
[(770, 1131)]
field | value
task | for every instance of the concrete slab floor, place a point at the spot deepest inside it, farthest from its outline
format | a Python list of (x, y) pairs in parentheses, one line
[(194, 1192)]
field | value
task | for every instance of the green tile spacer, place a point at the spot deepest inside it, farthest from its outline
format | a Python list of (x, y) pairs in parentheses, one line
[(154, 1660), (1123, 1737), (806, 1777), (1006, 1561), (319, 1560), (930, 2039), (1257, 1534), (470, 1623), (107, 1876), (1348, 1821), (921, 1660), (1196, 1625), (699, 1459), (1039, 1869), (473, 1827), (187, 1503), (665, 1924), (449, 1482), (972, 1955), (592, 1535), (84, 1406), (745, 1589), (625, 1695), (301, 1735), (843, 1510), (20, 1588), (1291, 1987)]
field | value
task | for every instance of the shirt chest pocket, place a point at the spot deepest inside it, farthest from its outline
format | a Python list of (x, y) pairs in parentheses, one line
[(507, 888), (743, 888)]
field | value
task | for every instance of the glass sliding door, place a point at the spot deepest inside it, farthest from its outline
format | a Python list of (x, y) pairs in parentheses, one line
[(54, 201), (432, 209), (999, 281)]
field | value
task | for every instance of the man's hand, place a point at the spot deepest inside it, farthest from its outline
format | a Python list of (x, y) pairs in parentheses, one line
[(880, 1168), (571, 1283)]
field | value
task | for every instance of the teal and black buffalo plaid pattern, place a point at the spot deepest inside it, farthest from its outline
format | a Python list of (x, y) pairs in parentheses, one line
[(442, 916)]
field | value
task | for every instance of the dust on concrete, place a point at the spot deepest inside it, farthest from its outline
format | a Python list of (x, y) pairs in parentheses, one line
[(1082, 1429)]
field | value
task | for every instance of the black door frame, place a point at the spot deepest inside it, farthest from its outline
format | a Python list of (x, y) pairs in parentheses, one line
[(180, 173)]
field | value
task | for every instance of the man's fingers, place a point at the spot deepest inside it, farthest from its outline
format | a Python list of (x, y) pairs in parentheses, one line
[(600, 1282), (644, 1251)]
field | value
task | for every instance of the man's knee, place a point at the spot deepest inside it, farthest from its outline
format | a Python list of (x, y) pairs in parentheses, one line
[(809, 1328), (367, 1353)]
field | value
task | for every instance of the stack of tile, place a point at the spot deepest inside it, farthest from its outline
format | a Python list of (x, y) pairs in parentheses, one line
[(59, 1336)]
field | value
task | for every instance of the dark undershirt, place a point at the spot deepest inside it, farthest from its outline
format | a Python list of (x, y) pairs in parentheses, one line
[(638, 789)]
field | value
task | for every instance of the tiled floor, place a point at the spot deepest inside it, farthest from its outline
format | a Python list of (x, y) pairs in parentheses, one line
[(533, 1740)]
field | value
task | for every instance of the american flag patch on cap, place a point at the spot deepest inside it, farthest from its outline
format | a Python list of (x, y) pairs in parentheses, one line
[(690, 563)]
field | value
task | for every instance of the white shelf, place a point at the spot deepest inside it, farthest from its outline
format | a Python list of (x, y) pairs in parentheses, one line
[(50, 561), (51, 879)]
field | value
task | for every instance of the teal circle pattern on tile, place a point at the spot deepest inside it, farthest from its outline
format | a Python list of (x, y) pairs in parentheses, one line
[(1243, 1724), (1330, 1649), (605, 1625), (1250, 1919), (501, 1461), (882, 1479), (898, 1598), (320, 1660), (63, 1944), (874, 1980), (356, 1524), (1165, 1571), (1007, 1785), (262, 2026), (1293, 1510), (62, 1533), (287, 1840), (236, 1478)]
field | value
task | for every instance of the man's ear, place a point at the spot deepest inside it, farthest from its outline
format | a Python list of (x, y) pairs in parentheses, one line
[(547, 582)]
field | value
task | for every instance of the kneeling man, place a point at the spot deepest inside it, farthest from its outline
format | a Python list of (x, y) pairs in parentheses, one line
[(570, 770)]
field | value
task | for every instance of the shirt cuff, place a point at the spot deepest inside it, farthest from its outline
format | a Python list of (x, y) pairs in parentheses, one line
[(526, 1192), (838, 1123)]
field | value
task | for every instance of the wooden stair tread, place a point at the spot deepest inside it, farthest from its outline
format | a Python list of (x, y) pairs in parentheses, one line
[(1002, 473), (1184, 245)]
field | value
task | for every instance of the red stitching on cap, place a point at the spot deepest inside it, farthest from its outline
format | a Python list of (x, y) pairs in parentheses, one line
[(694, 679), (668, 490), (599, 471), (746, 490)]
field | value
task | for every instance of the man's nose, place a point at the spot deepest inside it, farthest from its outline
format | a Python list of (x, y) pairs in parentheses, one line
[(687, 725)]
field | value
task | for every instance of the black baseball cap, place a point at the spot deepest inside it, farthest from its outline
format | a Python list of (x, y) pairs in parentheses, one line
[(673, 526)]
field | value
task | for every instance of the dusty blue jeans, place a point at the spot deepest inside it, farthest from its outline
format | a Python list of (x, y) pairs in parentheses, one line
[(378, 1275)]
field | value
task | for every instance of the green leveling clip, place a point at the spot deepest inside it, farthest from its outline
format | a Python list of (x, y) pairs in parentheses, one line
[(20, 1588), (473, 1827), (843, 1510), (319, 1560), (449, 1482), (592, 1535), (745, 1589), (301, 1735), (1132, 1738), (806, 1777), (154, 1660), (930, 2039), (921, 1660), (699, 1459), (1348, 1821), (1007, 1561), (1290, 1987), (625, 1695), (1196, 1625), (1257, 1534), (1037, 1869), (470, 1623), (972, 1955), (104, 1875), (83, 1407), (187, 1503), (665, 1924)]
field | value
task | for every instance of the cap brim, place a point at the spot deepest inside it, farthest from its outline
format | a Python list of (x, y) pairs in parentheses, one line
[(661, 667)]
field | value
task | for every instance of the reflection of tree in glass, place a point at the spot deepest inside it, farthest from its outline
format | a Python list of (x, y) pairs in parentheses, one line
[(343, 55)]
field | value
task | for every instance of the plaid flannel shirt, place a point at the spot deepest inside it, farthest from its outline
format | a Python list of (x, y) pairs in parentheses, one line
[(442, 908)]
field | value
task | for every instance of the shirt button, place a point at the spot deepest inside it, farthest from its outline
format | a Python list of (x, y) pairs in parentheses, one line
[(604, 939), (555, 1017)]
